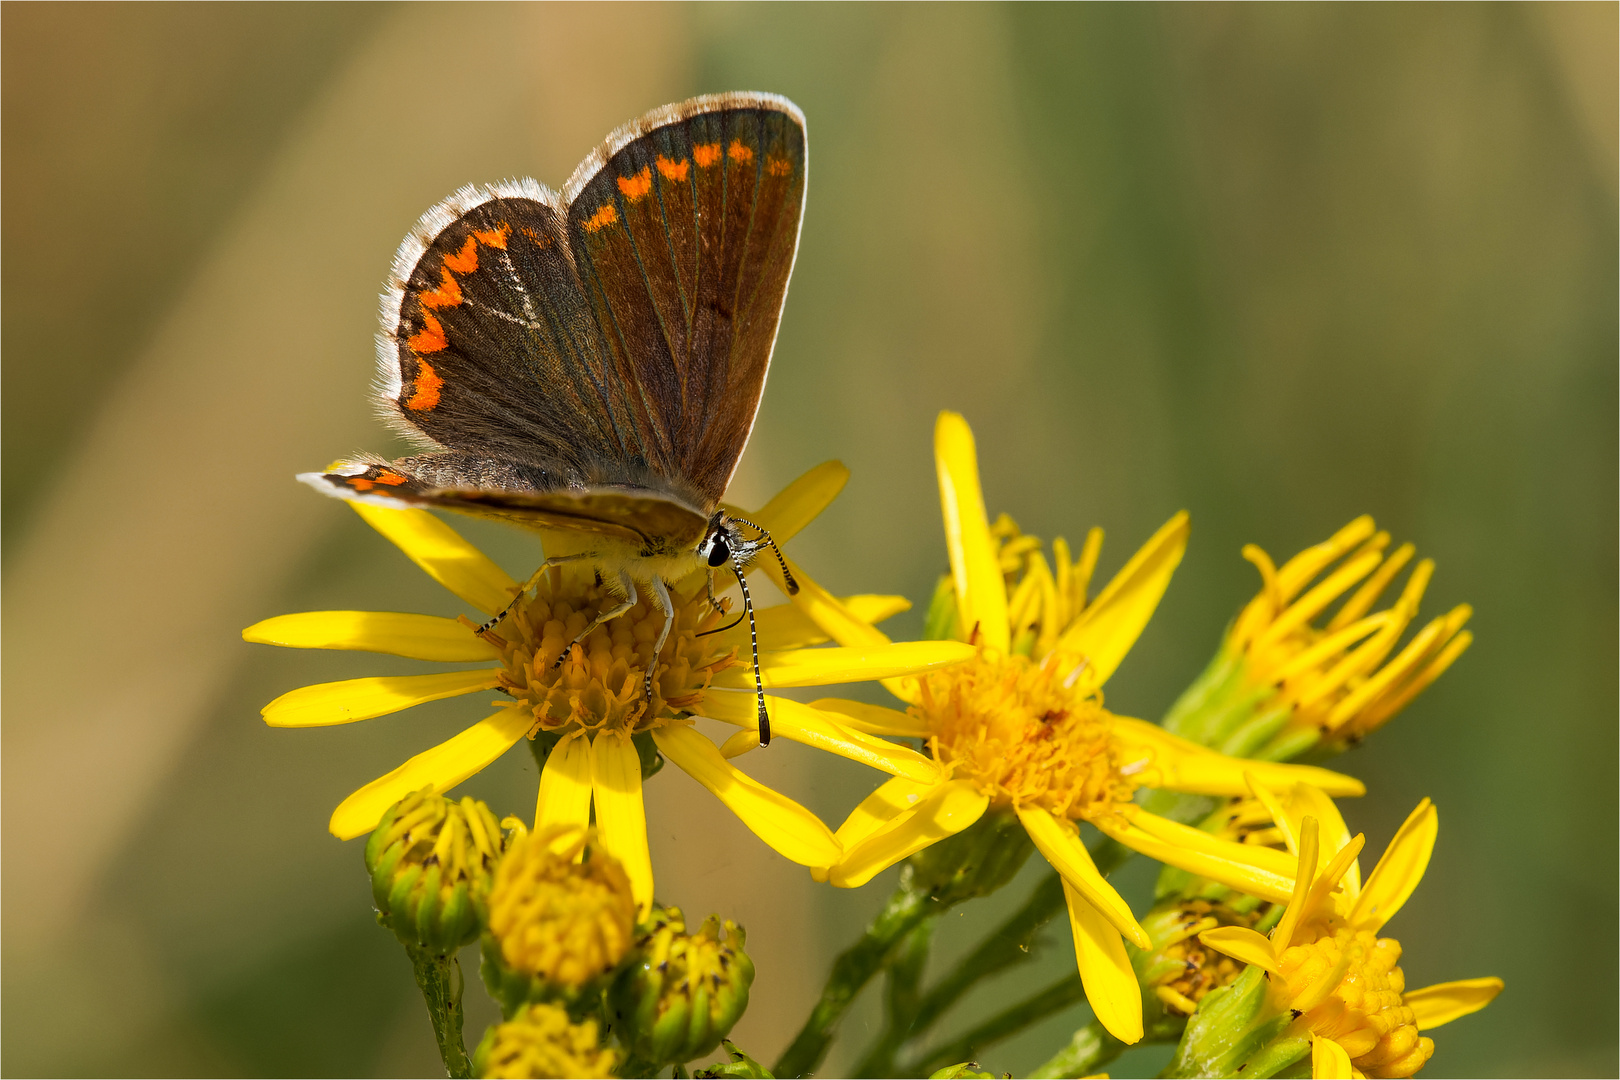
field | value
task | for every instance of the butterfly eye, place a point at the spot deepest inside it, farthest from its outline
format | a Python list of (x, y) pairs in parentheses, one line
[(719, 552)]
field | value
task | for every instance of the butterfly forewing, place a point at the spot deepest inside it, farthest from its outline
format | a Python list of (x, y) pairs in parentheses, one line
[(684, 240)]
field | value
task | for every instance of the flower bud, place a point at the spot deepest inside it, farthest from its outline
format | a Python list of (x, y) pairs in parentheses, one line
[(683, 992), (541, 1041), (964, 1070), (1180, 970), (430, 861), (975, 862), (738, 1066), (557, 928)]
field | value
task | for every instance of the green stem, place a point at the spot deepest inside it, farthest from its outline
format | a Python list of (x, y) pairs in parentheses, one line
[(439, 978), (1091, 1048), (901, 1002), (1055, 998), (852, 970)]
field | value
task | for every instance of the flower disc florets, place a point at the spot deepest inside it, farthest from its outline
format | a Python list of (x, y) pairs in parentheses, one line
[(599, 685), (1025, 734), (541, 1041), (1364, 1012), (561, 922)]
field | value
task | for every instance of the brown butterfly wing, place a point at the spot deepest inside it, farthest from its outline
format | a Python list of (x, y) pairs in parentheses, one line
[(684, 228)]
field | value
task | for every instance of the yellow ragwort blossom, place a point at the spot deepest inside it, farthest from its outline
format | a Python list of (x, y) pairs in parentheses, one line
[(1325, 959), (1305, 676), (1021, 728), (592, 704)]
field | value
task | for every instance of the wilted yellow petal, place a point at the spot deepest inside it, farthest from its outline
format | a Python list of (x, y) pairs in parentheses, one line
[(789, 828), (803, 723), (1299, 570), (873, 719), (1444, 1002), (442, 768), (1183, 765), (1328, 1060), (621, 818), (821, 667), (361, 699), (947, 810), (786, 626), (798, 504), (1399, 871), (1243, 944), (981, 593), (447, 558), (1108, 627), (1105, 969), (565, 784), (1059, 841), (419, 637)]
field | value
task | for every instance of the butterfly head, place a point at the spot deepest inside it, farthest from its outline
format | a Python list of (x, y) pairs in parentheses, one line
[(724, 541)]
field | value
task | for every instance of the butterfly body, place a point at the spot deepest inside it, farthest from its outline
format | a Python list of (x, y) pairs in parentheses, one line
[(589, 362)]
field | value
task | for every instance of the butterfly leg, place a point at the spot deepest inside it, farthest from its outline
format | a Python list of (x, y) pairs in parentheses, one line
[(661, 594), (534, 579), (629, 588)]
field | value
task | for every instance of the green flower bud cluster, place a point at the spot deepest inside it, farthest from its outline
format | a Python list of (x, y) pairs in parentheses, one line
[(430, 862), (558, 929), (682, 993), (541, 1041)]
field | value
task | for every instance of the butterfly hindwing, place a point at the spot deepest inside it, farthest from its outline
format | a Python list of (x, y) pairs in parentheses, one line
[(684, 237)]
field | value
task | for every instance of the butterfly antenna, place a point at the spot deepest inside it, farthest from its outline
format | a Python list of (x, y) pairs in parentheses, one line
[(766, 541), (753, 641)]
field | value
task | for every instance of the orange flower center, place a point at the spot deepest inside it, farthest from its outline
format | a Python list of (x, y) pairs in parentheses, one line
[(1365, 1012), (1024, 735), (600, 682)]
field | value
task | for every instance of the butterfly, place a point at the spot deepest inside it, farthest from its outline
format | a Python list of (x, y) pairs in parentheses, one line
[(590, 362)]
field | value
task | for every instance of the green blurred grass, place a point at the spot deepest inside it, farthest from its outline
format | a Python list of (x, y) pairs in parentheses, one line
[(1278, 265)]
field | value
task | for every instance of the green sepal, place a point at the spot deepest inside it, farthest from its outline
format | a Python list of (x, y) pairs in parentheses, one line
[(647, 751), (966, 1070), (942, 619), (975, 862), (1237, 1031), (740, 1065)]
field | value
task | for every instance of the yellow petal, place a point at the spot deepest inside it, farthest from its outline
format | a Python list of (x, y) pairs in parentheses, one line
[(981, 592), (441, 768), (898, 796), (786, 626), (447, 558), (820, 667), (741, 743), (1242, 944), (361, 699), (947, 809), (835, 618), (1283, 935), (1399, 871), (419, 637), (798, 504), (1299, 570), (789, 828), (873, 719), (1307, 801), (1328, 1060), (802, 723), (1059, 842), (1105, 969), (1444, 1002), (565, 784), (1109, 626), (1268, 859), (1237, 871), (621, 819), (1183, 765)]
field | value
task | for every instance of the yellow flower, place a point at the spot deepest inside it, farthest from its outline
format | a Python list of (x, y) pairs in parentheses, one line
[(591, 705), (541, 1041), (1325, 959), (1028, 734), (1287, 677)]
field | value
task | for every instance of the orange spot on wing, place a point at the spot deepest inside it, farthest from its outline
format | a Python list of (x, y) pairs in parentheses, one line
[(448, 294), (536, 238), (673, 170), (739, 153), (430, 338), (604, 217), (636, 187), (495, 238), (706, 154), (426, 383), (464, 261), (778, 166), (390, 477), (359, 483)]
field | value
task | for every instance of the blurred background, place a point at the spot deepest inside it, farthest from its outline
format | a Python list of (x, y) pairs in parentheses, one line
[(1279, 265)]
